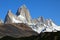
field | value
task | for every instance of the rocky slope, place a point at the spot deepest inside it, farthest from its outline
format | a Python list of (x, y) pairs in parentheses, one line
[(16, 30)]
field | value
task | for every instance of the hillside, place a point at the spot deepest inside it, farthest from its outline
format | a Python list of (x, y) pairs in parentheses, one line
[(42, 36)]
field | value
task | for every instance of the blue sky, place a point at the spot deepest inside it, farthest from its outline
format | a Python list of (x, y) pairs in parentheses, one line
[(45, 8)]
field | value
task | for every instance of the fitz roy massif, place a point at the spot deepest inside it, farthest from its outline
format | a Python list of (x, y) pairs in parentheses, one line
[(22, 25)]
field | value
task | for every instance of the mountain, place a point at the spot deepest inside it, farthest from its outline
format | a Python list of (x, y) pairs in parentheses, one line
[(39, 24), (22, 25)]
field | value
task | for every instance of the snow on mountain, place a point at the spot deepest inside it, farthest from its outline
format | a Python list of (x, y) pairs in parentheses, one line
[(37, 28), (39, 24), (45, 26), (22, 18), (15, 21), (55, 26)]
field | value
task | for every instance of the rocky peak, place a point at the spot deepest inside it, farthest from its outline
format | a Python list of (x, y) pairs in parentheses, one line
[(23, 11), (9, 11), (9, 16), (1, 21), (41, 20), (48, 22)]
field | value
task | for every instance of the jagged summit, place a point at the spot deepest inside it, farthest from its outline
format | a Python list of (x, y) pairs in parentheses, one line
[(41, 19), (9, 16), (9, 11), (23, 6), (24, 12), (20, 9)]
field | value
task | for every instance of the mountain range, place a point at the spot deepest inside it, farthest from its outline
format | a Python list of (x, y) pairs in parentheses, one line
[(22, 24)]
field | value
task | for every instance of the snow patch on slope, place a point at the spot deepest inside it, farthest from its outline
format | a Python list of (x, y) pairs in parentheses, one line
[(23, 19), (20, 16), (37, 28), (16, 21)]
